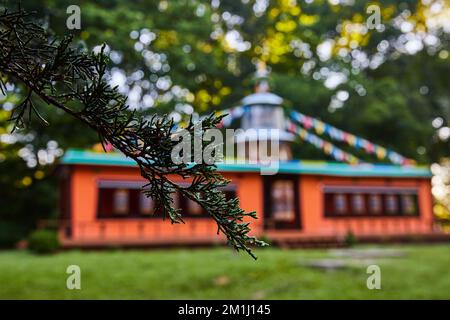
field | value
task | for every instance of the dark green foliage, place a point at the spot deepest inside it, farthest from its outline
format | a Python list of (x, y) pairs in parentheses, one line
[(10, 233), (64, 77), (265, 238), (350, 239), (43, 241)]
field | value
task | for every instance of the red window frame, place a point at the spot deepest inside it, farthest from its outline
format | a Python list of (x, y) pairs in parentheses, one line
[(106, 189), (331, 192)]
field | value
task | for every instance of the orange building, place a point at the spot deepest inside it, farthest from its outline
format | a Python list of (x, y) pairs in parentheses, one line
[(305, 202), (309, 202)]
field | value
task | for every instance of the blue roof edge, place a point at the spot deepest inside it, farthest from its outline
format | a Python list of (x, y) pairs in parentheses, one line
[(84, 157)]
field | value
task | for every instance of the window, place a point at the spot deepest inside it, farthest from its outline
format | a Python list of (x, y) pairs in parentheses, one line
[(358, 203), (340, 203), (408, 203), (146, 204), (283, 200), (193, 208), (391, 204), (281, 208), (124, 199), (365, 201), (262, 116), (121, 201), (375, 204)]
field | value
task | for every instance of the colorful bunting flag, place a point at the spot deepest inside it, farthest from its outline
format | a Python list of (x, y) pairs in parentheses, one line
[(321, 128), (334, 133), (326, 146)]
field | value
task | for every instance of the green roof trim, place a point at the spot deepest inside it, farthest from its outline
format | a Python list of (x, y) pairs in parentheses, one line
[(83, 157), (76, 156)]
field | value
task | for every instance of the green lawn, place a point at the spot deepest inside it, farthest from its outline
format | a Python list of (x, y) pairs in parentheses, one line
[(423, 272)]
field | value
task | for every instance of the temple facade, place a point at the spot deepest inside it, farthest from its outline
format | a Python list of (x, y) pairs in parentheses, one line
[(305, 202)]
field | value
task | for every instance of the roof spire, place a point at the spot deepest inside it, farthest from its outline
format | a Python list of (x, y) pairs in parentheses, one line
[(262, 77)]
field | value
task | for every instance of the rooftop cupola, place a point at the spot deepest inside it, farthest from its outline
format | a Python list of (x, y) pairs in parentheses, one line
[(263, 110)]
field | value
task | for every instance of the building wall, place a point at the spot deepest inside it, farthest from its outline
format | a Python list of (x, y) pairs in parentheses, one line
[(87, 229), (316, 223)]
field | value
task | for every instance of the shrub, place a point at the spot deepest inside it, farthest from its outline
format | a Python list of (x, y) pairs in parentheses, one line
[(43, 241), (350, 239)]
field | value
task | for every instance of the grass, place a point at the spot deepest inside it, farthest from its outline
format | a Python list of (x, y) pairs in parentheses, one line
[(219, 273)]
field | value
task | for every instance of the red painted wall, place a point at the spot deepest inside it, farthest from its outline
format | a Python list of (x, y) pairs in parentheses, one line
[(315, 222), (87, 229)]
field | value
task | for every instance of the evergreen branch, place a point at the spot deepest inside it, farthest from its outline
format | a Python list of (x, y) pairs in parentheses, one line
[(58, 74)]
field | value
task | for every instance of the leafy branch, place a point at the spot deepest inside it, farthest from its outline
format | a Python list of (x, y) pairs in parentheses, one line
[(75, 82)]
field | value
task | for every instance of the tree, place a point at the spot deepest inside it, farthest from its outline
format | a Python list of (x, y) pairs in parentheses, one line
[(441, 191), (73, 81), (209, 50)]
